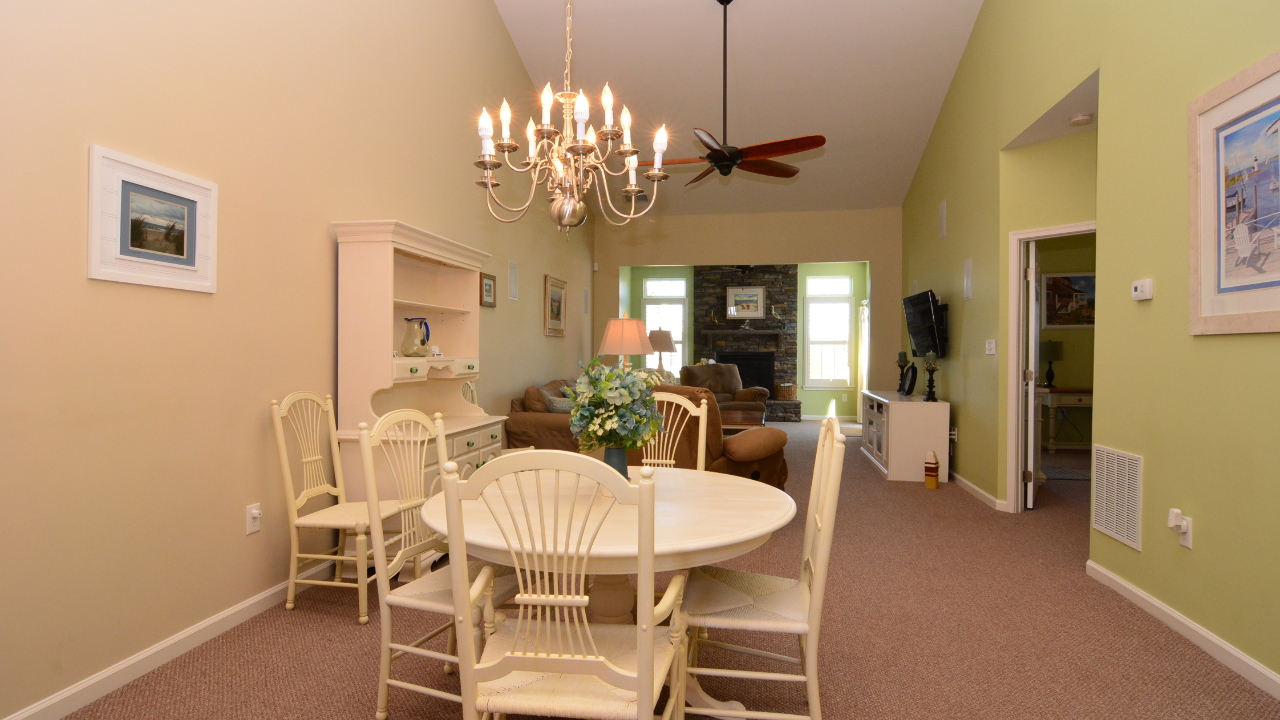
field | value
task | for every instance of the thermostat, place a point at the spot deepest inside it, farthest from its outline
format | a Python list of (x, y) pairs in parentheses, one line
[(1143, 290)]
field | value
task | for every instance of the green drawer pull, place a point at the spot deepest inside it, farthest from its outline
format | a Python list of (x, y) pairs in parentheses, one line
[(479, 464), (413, 371), (471, 443), (471, 367), (493, 436)]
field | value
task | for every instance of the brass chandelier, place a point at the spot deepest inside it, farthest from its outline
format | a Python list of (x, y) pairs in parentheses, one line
[(569, 161)]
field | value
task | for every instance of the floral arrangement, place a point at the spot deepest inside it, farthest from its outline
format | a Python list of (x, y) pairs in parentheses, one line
[(614, 407)]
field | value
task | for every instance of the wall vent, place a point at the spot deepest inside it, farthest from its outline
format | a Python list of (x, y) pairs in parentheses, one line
[(1117, 495)]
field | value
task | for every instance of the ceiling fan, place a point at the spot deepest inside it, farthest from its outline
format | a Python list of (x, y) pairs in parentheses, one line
[(752, 158)]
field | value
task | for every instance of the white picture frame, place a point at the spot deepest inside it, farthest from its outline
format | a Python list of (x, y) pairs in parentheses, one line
[(744, 303), (1233, 137), (150, 225)]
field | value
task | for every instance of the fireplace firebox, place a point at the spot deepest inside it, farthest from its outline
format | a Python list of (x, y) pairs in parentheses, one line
[(755, 368)]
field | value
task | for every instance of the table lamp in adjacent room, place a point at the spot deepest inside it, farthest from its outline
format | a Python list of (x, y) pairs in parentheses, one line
[(662, 343), (625, 337), (1050, 350)]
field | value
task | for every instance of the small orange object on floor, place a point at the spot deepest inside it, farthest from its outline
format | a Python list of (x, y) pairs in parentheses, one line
[(931, 471)]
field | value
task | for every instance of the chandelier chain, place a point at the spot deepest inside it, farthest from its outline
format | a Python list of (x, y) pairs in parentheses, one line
[(568, 41)]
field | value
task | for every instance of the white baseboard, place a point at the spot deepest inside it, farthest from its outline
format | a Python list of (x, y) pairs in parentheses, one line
[(1222, 651), (841, 418), (987, 498), (68, 700)]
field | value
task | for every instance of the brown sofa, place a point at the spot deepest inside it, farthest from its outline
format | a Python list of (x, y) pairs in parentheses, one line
[(757, 453), (531, 423), (723, 380)]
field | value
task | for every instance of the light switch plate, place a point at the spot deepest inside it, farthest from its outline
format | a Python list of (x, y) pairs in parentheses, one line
[(968, 279), (991, 347), (253, 518), (942, 220)]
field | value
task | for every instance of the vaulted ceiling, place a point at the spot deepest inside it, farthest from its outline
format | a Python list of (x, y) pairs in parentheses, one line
[(869, 74)]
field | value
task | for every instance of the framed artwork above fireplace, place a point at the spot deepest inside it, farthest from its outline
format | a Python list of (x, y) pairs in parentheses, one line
[(744, 303)]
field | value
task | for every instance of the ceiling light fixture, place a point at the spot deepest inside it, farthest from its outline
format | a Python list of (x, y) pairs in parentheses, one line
[(1081, 119), (569, 161)]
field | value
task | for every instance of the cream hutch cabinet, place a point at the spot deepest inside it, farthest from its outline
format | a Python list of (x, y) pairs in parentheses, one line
[(389, 271)]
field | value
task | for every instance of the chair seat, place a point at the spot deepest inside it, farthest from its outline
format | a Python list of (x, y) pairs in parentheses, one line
[(345, 516), (573, 696), (716, 597), (433, 592)]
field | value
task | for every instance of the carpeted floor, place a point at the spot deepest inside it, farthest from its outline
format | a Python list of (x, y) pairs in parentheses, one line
[(937, 607)]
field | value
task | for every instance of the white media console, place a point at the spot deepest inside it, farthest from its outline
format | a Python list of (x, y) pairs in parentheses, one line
[(899, 431)]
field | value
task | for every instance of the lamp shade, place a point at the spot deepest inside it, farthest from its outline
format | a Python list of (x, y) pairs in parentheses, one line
[(661, 341), (1051, 350), (625, 336)]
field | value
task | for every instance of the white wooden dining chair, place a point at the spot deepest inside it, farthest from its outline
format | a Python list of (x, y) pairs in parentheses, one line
[(549, 660), (677, 412), (737, 600), (304, 422), (411, 447)]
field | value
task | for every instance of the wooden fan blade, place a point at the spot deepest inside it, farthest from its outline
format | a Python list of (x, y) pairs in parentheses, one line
[(701, 175), (679, 161), (772, 168), (707, 139), (782, 147)]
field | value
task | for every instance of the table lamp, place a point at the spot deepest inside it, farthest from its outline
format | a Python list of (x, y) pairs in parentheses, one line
[(662, 343), (625, 337), (1050, 350)]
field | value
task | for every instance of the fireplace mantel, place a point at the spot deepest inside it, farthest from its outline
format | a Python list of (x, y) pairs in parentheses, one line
[(779, 332)]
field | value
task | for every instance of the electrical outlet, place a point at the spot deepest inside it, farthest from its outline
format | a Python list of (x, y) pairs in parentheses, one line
[(253, 518), (991, 347), (954, 434), (844, 397)]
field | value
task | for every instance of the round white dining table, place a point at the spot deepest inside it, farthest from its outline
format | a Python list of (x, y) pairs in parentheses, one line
[(700, 518)]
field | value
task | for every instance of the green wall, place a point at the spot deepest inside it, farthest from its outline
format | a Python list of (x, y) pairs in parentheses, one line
[(1073, 254), (1154, 382), (816, 402), (635, 291)]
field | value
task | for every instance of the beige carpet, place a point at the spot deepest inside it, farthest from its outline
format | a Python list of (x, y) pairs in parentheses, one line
[(938, 607)]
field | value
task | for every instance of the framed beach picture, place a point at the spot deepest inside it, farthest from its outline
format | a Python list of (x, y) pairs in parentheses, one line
[(553, 307), (1234, 137), (151, 225), (1067, 300), (488, 290), (744, 303)]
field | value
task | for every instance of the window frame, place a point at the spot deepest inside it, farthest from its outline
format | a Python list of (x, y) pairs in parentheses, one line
[(848, 300), (682, 345)]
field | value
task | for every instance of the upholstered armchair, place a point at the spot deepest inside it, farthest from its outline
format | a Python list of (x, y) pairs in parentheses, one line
[(757, 453), (723, 380), (531, 421)]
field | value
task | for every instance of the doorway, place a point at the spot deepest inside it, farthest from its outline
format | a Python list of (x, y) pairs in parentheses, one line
[(1050, 355)]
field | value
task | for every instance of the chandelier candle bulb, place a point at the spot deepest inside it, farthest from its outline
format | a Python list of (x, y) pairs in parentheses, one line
[(659, 147), (591, 135), (530, 132), (626, 126), (632, 162), (606, 99), (486, 132), (504, 113), (547, 99), (581, 112)]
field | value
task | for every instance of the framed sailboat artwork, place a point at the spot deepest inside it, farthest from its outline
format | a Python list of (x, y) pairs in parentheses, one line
[(1234, 135)]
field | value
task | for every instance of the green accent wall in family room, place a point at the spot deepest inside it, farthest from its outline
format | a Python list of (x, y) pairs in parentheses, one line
[(817, 402), (635, 305), (1172, 398)]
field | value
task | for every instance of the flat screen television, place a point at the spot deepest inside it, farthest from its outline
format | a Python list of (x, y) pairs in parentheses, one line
[(926, 324)]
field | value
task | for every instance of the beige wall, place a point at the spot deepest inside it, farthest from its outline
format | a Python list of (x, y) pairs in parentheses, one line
[(768, 238), (135, 427)]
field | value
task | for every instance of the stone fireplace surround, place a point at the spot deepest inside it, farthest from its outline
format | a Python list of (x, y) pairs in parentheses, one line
[(713, 334)]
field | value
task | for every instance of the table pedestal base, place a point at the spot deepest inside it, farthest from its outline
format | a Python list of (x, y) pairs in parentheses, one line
[(612, 600)]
